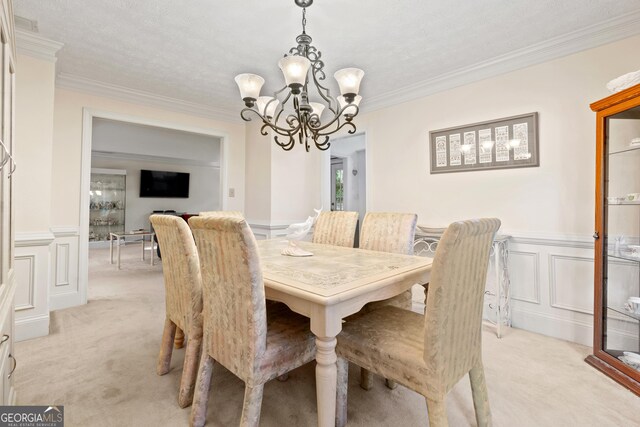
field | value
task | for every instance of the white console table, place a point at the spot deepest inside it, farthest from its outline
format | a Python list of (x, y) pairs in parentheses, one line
[(425, 244), (120, 238)]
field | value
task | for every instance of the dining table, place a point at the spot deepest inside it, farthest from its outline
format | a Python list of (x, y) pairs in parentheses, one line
[(331, 284)]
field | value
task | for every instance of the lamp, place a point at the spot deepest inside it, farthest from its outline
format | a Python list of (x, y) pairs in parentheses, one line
[(303, 71)]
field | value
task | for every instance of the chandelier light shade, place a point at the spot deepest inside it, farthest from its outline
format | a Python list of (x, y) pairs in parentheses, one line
[(250, 85), (349, 81), (304, 97), (295, 69)]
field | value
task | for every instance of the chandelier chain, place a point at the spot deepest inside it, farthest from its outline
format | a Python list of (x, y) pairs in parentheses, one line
[(304, 20)]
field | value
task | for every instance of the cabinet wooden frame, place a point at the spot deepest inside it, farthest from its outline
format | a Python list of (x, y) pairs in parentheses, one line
[(600, 359)]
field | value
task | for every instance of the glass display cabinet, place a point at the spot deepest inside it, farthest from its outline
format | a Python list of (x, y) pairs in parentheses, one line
[(106, 203), (616, 349)]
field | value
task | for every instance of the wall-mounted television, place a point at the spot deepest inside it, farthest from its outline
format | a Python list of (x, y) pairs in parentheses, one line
[(164, 184)]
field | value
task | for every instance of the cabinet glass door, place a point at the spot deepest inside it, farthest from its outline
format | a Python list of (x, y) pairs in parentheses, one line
[(107, 205), (621, 297)]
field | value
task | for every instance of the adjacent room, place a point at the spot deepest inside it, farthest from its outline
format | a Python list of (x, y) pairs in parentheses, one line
[(320, 213)]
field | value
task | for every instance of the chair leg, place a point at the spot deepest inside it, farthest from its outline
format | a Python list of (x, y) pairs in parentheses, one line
[(366, 379), (179, 340), (341, 396), (391, 384), (166, 347), (437, 412), (251, 406), (480, 396), (189, 372), (201, 395)]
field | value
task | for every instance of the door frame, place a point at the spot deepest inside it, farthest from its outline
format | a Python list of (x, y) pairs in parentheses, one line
[(88, 114), (325, 175)]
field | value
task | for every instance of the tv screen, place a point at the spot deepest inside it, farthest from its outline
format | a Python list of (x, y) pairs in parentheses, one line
[(164, 184)]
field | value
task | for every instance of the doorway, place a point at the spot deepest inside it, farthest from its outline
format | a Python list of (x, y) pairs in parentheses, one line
[(79, 296), (345, 179), (337, 183)]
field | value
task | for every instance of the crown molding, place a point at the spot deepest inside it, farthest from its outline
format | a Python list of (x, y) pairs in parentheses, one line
[(34, 45), (121, 93), (602, 33)]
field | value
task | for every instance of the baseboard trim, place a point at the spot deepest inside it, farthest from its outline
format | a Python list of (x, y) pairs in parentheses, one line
[(553, 326), (62, 301), (32, 327)]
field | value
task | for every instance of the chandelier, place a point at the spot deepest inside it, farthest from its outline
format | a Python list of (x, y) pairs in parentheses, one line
[(296, 110)]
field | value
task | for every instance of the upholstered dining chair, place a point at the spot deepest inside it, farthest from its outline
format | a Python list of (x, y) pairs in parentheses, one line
[(336, 228), (183, 289), (387, 232), (238, 334), (430, 353)]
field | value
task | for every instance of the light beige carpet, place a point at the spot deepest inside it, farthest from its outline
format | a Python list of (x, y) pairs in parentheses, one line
[(99, 362)]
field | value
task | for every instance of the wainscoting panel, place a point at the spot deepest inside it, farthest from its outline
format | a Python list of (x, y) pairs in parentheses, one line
[(64, 290), (552, 286), (571, 283), (25, 267), (62, 264), (32, 276), (524, 271)]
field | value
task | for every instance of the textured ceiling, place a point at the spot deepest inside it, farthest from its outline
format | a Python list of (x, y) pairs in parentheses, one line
[(192, 50)]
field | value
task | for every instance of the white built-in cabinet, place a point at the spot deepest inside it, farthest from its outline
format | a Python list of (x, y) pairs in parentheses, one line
[(7, 236)]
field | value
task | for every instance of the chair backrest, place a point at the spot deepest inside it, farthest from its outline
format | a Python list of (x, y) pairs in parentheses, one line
[(234, 214), (453, 319), (181, 269), (388, 232), (336, 228), (234, 313)]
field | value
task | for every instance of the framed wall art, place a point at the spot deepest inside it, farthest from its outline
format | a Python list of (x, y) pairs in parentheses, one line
[(510, 142)]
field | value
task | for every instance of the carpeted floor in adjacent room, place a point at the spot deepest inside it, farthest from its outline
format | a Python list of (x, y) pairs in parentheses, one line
[(99, 362)]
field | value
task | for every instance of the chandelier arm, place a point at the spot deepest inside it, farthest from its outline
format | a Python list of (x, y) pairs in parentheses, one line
[(286, 146), (324, 145), (340, 126), (337, 119)]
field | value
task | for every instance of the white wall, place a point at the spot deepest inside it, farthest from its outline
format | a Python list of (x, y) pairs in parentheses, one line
[(34, 145), (204, 193), (33, 195), (67, 144), (283, 187), (121, 137), (548, 209)]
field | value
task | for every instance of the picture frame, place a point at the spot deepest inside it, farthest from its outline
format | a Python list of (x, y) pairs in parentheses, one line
[(509, 142)]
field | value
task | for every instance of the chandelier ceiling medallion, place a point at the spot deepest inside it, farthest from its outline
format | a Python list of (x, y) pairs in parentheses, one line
[(296, 109)]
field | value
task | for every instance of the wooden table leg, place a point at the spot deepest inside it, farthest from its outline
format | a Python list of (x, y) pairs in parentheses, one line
[(326, 377)]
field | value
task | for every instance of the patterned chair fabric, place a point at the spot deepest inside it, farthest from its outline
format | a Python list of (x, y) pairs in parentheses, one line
[(389, 232), (336, 228), (234, 214), (183, 289), (238, 334), (430, 353)]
